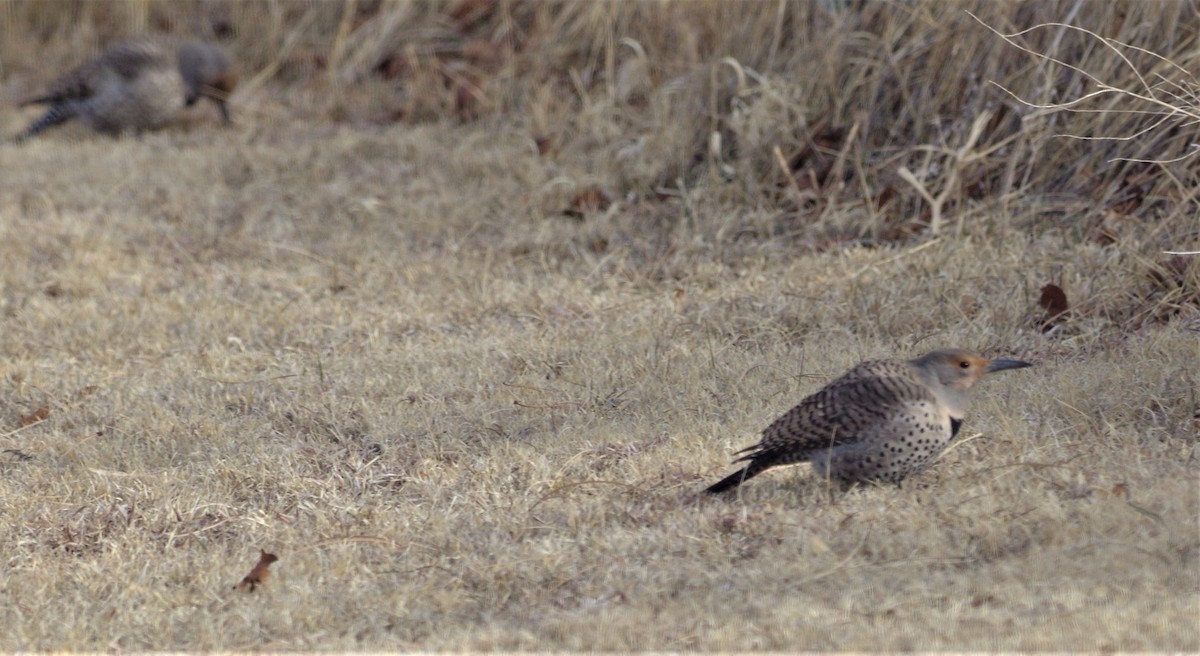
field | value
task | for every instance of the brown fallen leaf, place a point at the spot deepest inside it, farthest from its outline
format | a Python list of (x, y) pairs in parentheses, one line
[(810, 167), (1054, 302), (589, 200), (471, 13), (395, 65), (544, 144), (258, 575), (83, 393), (885, 196), (466, 85), (35, 416)]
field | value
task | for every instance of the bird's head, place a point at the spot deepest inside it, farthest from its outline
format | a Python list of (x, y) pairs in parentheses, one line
[(207, 73), (958, 370)]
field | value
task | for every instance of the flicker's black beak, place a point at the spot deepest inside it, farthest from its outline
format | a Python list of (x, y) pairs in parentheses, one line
[(218, 96), (224, 108), (1001, 365)]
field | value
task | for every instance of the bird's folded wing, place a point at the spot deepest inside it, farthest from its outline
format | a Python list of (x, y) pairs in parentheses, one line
[(840, 412)]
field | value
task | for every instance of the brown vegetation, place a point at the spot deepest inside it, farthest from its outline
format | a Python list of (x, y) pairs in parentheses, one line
[(475, 297)]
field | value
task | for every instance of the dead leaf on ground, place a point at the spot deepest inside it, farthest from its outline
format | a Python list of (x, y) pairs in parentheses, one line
[(35, 416), (810, 167), (394, 65), (1054, 302), (592, 199), (887, 195), (544, 144), (258, 575), (471, 13)]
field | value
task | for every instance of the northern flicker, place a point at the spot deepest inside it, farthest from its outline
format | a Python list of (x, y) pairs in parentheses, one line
[(136, 85), (880, 421)]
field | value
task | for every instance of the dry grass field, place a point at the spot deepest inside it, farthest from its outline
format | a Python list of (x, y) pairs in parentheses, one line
[(461, 340)]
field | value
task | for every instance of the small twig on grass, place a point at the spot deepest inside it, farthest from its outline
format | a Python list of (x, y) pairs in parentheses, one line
[(281, 55), (1123, 490), (954, 445), (787, 173), (839, 565), (837, 171), (338, 50), (370, 539), (561, 487), (1026, 465), (17, 430), (916, 249), (251, 381)]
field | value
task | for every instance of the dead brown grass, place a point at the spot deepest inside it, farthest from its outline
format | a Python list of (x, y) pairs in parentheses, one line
[(361, 333)]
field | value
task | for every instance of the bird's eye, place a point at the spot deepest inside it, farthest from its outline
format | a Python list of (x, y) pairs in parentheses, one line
[(964, 364)]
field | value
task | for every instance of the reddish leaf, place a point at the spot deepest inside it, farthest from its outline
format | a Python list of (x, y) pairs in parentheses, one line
[(470, 13), (258, 575), (1054, 302), (885, 196), (394, 65), (587, 201), (35, 416), (830, 138)]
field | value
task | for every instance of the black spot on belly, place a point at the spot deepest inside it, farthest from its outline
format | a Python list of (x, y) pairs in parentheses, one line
[(955, 424)]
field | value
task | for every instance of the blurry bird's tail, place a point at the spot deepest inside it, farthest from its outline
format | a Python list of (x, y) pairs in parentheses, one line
[(57, 114), (735, 479)]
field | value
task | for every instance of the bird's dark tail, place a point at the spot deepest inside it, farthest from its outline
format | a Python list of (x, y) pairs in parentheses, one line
[(735, 479), (54, 115)]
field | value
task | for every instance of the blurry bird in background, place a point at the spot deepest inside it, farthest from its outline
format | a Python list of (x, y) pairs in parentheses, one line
[(137, 85)]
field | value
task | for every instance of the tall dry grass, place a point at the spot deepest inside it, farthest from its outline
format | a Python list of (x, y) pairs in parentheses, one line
[(654, 82), (476, 296)]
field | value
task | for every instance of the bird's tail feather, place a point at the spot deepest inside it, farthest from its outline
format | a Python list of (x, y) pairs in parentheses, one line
[(735, 479), (53, 116)]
